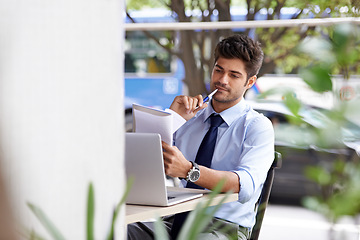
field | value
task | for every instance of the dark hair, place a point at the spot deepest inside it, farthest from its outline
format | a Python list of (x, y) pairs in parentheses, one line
[(244, 48)]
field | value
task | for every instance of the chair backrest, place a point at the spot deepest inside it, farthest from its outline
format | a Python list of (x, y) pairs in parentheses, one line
[(264, 197)]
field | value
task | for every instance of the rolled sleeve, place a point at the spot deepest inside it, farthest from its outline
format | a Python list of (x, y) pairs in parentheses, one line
[(247, 187)]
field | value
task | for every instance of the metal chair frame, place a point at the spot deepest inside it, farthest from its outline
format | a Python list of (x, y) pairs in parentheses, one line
[(264, 196)]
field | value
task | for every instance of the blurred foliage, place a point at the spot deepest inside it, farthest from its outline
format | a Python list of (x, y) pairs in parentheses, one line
[(141, 4), (195, 48), (195, 223), (198, 219), (340, 189), (338, 52), (90, 217)]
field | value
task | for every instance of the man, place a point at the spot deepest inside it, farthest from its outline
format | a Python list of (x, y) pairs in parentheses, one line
[(244, 140)]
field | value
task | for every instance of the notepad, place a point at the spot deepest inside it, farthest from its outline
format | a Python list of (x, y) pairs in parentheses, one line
[(150, 120)]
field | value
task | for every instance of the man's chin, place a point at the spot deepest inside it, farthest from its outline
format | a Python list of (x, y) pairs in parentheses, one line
[(224, 99)]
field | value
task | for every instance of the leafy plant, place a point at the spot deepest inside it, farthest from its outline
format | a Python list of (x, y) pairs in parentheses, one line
[(193, 226), (339, 53), (56, 234), (197, 220), (45, 221)]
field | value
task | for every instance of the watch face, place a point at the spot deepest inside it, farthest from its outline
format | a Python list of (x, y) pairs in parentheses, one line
[(195, 175)]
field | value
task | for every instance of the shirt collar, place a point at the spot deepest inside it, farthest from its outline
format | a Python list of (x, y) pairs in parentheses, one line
[(229, 115)]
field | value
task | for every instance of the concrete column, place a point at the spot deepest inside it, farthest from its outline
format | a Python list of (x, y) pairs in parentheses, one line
[(61, 110)]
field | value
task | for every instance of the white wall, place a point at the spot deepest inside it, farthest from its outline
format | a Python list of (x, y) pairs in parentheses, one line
[(61, 109)]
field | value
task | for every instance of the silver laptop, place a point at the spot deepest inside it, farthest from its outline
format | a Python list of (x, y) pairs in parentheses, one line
[(144, 161)]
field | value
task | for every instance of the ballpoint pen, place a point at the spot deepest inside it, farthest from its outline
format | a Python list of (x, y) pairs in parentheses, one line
[(209, 96)]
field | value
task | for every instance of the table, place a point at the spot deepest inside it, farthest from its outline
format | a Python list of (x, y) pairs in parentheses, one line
[(136, 213)]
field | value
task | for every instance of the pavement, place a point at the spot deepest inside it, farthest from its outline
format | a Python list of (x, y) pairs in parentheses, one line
[(283, 222)]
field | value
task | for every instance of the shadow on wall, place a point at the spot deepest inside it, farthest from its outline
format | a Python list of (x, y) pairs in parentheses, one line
[(7, 230)]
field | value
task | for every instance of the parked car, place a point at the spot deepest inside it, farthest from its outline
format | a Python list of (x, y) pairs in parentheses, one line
[(300, 147)]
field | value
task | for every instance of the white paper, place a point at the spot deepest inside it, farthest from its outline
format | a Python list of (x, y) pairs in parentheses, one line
[(150, 120), (178, 120)]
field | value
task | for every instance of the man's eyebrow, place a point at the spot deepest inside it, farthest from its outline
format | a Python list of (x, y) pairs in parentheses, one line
[(218, 66), (236, 72), (233, 71)]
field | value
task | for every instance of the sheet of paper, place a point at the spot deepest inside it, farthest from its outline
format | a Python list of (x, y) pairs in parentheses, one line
[(150, 120)]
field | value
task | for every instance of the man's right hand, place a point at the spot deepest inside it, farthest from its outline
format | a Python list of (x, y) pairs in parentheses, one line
[(187, 106)]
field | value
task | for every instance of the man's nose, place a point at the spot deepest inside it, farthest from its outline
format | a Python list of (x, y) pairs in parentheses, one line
[(224, 79)]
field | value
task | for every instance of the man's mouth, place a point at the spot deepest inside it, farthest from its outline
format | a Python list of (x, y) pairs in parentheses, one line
[(221, 89)]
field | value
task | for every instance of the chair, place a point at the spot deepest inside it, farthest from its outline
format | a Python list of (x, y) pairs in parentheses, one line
[(264, 196)]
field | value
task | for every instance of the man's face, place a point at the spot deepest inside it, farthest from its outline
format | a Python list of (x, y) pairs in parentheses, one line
[(229, 77)]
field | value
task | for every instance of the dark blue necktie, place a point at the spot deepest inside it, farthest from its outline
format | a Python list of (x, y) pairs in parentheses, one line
[(206, 149), (203, 158)]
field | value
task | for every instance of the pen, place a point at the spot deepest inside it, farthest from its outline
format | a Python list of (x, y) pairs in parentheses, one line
[(209, 96)]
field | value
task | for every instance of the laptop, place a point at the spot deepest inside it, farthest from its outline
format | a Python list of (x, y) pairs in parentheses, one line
[(144, 161)]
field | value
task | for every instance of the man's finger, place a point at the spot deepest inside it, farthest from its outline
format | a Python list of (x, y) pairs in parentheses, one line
[(200, 100), (204, 105)]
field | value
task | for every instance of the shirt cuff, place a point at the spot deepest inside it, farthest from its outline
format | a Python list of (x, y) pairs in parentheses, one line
[(246, 186), (178, 120)]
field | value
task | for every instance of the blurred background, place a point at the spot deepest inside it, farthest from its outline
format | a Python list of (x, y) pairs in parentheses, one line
[(70, 71), (308, 86)]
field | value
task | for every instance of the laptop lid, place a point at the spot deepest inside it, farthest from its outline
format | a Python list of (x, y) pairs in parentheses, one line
[(144, 162)]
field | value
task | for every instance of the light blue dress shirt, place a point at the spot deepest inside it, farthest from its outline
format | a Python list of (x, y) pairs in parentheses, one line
[(245, 145)]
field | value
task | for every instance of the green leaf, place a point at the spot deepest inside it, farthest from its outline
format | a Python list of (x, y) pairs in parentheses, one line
[(35, 236), (129, 184), (339, 166), (90, 213), (49, 226), (352, 206), (344, 43), (315, 204), (30, 234), (317, 49), (318, 78), (200, 218), (160, 230), (292, 103), (318, 175)]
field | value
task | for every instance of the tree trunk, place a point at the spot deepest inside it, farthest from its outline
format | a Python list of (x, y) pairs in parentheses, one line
[(193, 74)]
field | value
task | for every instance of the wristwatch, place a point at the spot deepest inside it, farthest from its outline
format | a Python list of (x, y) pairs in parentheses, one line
[(194, 173)]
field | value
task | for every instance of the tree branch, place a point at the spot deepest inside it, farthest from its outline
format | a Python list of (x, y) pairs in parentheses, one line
[(151, 36)]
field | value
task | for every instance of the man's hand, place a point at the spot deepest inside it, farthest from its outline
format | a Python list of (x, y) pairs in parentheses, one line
[(175, 163), (187, 106)]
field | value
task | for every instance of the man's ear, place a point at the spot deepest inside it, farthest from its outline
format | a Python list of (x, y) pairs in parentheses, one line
[(251, 81)]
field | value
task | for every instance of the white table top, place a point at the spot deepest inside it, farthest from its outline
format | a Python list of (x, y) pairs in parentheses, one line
[(136, 213)]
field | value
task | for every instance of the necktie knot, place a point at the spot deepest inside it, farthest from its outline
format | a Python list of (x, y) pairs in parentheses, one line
[(216, 120)]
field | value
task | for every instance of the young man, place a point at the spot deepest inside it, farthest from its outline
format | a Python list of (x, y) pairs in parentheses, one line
[(244, 139)]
